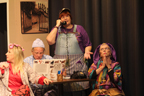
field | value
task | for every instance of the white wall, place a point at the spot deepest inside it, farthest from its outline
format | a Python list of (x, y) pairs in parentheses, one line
[(3, 1), (14, 29)]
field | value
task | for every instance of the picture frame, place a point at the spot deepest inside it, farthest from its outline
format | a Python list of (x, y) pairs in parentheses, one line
[(34, 17)]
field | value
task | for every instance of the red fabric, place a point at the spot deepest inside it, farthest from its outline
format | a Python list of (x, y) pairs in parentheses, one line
[(40, 81), (22, 91), (2, 71), (14, 80)]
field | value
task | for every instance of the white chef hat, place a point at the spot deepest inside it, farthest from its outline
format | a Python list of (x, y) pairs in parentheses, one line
[(38, 43)]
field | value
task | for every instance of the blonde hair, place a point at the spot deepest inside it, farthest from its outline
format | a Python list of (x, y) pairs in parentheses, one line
[(18, 59), (105, 44)]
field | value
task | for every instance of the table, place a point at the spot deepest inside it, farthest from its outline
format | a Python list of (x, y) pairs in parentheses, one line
[(60, 83)]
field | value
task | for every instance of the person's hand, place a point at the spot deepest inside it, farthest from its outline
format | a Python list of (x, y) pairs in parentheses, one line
[(58, 22), (64, 72), (4, 65), (104, 61), (47, 81), (107, 62), (87, 55)]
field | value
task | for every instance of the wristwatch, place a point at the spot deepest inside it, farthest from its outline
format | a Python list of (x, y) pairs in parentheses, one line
[(109, 69), (56, 27)]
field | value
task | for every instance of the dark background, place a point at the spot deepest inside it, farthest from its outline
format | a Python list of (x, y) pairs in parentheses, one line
[(119, 22), (3, 31)]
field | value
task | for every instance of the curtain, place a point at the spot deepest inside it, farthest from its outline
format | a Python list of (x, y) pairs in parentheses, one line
[(119, 22), (3, 31)]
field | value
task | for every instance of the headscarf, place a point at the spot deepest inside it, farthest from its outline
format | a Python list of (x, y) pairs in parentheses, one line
[(96, 56)]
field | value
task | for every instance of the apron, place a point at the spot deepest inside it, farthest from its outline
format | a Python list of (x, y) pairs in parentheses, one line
[(67, 45), (67, 42)]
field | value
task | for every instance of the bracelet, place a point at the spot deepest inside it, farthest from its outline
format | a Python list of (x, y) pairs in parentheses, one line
[(56, 27), (109, 69)]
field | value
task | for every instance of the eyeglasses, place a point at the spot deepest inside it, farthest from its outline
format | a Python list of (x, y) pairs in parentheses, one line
[(39, 53), (104, 49)]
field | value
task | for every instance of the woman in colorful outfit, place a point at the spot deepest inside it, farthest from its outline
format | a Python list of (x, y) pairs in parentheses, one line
[(73, 44), (106, 71), (15, 74)]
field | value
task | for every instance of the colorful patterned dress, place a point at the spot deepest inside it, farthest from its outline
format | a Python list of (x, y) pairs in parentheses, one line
[(105, 79)]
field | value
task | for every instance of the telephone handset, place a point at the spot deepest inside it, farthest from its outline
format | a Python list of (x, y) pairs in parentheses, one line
[(63, 23)]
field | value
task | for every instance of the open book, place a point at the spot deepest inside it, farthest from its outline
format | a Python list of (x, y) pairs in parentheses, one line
[(49, 68)]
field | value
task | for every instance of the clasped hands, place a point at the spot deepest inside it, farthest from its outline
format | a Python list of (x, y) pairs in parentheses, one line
[(107, 62)]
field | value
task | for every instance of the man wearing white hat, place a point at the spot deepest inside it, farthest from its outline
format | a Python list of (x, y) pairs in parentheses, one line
[(38, 49)]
